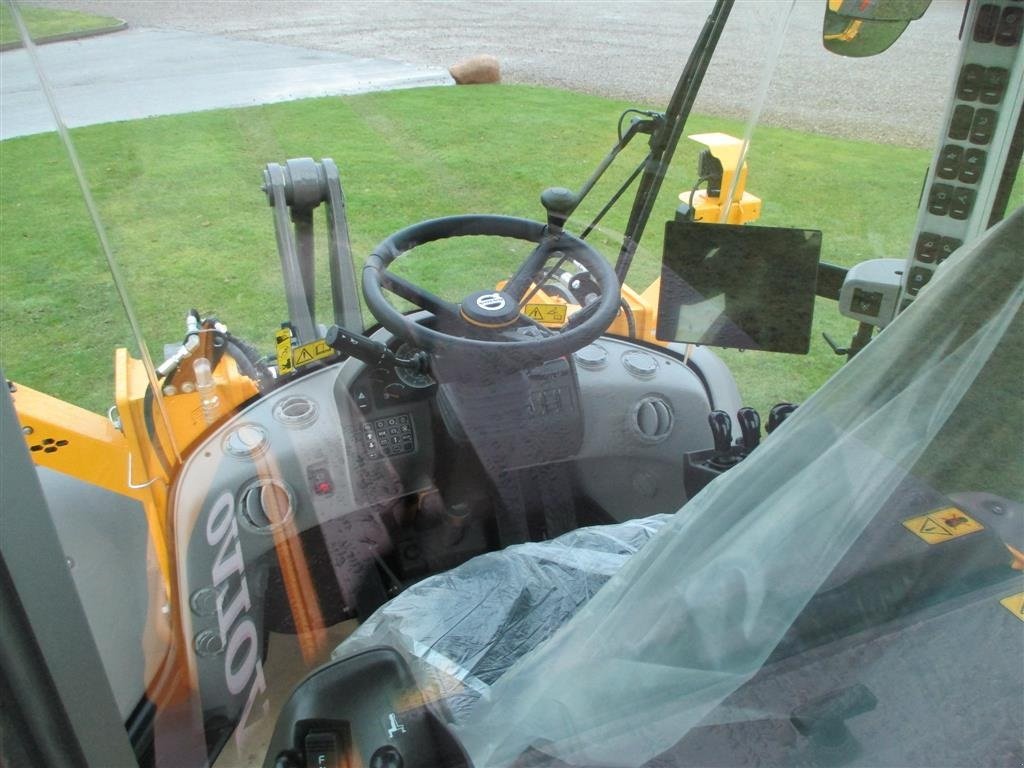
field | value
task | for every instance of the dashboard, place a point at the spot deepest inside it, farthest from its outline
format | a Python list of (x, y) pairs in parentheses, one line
[(352, 481)]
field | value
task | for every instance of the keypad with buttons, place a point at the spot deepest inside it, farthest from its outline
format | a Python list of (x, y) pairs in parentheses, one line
[(959, 193), (389, 436)]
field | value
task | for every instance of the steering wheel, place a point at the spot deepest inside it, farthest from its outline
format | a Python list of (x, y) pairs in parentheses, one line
[(490, 313)]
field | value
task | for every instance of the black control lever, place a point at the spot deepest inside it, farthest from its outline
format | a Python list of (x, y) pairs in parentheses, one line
[(701, 467), (721, 431), (778, 414), (559, 203), (371, 352), (750, 428), (857, 343)]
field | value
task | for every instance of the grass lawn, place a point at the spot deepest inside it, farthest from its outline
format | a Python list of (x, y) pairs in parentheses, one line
[(181, 199), (45, 22)]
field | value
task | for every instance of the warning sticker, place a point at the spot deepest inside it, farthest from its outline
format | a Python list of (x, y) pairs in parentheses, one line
[(1014, 604), (310, 353), (289, 359), (942, 525), (283, 343), (546, 313)]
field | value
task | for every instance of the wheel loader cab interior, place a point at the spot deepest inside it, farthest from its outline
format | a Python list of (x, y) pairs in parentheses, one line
[(495, 491)]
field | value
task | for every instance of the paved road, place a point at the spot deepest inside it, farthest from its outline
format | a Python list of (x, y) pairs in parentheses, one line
[(614, 48), (144, 72)]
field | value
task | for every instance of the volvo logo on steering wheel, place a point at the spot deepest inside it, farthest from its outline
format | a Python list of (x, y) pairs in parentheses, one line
[(491, 302)]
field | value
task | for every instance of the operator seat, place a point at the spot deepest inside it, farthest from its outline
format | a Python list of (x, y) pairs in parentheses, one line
[(473, 622), (957, 351)]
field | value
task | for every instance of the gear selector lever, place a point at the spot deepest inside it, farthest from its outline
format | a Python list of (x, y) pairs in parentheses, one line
[(559, 203)]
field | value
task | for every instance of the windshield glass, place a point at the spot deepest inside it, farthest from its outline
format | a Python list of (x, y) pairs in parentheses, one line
[(412, 375)]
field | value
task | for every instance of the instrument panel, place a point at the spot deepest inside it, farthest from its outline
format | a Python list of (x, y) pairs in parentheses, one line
[(316, 502)]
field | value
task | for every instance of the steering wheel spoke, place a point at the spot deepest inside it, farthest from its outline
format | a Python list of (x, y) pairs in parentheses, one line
[(445, 311), (520, 282)]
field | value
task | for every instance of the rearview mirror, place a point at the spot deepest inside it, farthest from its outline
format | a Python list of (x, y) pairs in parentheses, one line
[(867, 27)]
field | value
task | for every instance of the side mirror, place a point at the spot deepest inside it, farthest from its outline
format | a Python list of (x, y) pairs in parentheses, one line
[(867, 27)]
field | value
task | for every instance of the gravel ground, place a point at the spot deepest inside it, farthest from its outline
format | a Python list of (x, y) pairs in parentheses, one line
[(633, 50)]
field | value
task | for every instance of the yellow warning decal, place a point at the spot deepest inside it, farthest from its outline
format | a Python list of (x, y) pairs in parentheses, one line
[(546, 313), (1014, 604), (942, 525), (288, 359), (310, 353), (283, 343)]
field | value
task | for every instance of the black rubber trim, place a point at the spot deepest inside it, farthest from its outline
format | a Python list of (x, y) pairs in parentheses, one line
[(147, 414)]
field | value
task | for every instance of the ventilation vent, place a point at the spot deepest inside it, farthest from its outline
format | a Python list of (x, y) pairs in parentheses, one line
[(49, 445), (295, 411), (653, 419), (266, 504)]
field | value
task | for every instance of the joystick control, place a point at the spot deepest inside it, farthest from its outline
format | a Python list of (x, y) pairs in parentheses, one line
[(778, 414), (750, 428), (723, 456), (701, 467), (721, 431)]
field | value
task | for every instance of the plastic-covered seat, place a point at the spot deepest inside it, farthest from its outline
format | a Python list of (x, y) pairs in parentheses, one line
[(464, 628)]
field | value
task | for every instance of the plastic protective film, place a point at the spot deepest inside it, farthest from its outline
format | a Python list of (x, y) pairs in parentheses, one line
[(471, 624), (805, 608)]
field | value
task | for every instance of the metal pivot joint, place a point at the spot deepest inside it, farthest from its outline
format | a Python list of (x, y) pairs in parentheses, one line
[(294, 190)]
